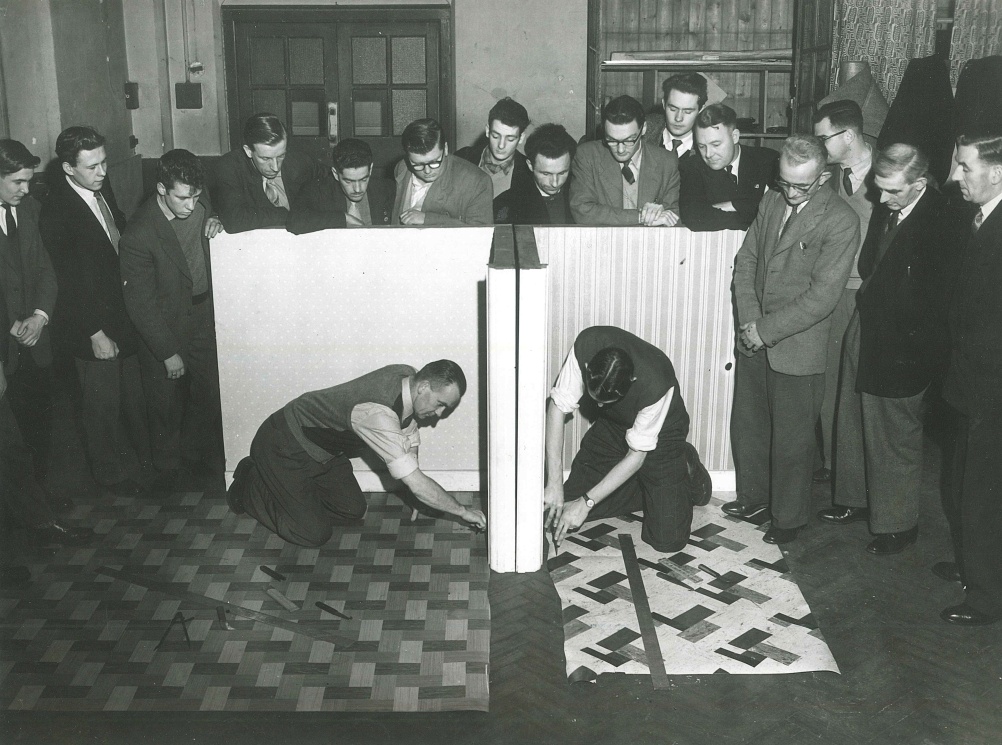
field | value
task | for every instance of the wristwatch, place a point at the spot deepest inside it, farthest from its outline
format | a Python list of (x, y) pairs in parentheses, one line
[(589, 502)]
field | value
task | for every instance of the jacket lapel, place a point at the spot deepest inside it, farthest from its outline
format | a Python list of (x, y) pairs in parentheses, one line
[(168, 239), (645, 181), (803, 222), (612, 177)]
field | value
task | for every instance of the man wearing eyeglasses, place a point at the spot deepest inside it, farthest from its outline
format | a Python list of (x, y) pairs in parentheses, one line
[(619, 181), (635, 455), (435, 188), (839, 125), (788, 276)]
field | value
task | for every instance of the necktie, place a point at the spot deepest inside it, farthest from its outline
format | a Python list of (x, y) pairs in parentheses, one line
[(892, 220), (113, 234), (8, 216), (730, 173), (975, 226), (271, 191), (628, 173), (847, 181), (675, 145)]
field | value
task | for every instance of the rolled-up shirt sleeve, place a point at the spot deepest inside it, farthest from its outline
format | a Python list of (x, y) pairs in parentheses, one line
[(379, 427), (643, 435), (566, 393)]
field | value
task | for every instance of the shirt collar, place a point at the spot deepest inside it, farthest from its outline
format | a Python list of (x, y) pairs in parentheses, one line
[(686, 139), (736, 162), (988, 207), (862, 165), (85, 194), (905, 211), (164, 208), (487, 158), (405, 397), (637, 157)]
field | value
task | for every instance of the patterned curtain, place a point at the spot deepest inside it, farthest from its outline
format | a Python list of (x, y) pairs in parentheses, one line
[(977, 33), (887, 34)]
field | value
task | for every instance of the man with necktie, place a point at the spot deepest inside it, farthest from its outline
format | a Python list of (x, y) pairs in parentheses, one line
[(298, 480), (620, 180), (789, 273), (257, 184), (894, 348), (81, 226), (974, 388), (839, 124), (684, 97)]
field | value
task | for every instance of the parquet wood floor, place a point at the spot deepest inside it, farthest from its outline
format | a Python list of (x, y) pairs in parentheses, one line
[(907, 677)]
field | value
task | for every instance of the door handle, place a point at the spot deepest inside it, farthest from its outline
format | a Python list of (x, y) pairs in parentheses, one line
[(332, 121)]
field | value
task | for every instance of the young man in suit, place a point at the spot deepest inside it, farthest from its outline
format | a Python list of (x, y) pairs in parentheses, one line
[(167, 284), (346, 196), (974, 388), (26, 282), (549, 151), (722, 187), (635, 455), (435, 188), (894, 348), (257, 184), (81, 226), (684, 97), (839, 124), (788, 276), (619, 181), (30, 289), (298, 481), (500, 158)]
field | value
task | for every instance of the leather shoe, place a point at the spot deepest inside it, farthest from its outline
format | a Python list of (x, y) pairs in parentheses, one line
[(965, 615), (740, 509), (947, 570), (892, 543), (61, 535), (842, 515), (822, 475), (700, 483), (779, 536)]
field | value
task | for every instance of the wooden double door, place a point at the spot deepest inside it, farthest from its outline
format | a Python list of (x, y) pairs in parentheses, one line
[(336, 73)]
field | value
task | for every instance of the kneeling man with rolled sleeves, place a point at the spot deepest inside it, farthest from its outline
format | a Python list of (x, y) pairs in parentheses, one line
[(298, 480)]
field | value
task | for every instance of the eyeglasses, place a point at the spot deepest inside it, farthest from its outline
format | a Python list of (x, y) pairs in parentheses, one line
[(433, 166), (825, 138), (628, 142), (799, 188)]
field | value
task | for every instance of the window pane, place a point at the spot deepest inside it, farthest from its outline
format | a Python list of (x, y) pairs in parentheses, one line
[(368, 60), (368, 118), (408, 106), (271, 101), (306, 118), (267, 61), (306, 61), (409, 60)]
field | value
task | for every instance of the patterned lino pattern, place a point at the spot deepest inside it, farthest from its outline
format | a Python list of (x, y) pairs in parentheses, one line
[(79, 640), (725, 603)]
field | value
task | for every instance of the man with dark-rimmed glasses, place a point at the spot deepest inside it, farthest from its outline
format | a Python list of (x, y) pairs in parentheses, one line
[(435, 188), (635, 455), (788, 276)]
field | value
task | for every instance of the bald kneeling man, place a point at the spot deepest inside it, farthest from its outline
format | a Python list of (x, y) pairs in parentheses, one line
[(298, 480)]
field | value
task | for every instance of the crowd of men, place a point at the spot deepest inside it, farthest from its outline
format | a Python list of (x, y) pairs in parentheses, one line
[(860, 287)]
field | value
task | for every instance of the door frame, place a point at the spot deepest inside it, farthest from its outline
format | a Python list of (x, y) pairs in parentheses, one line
[(441, 14)]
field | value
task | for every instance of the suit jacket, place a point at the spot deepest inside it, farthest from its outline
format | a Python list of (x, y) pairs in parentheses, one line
[(902, 304), (597, 184), (974, 381), (321, 204), (461, 195), (86, 264), (702, 187), (521, 177), (656, 126), (238, 191), (790, 286), (37, 289), (156, 281), (529, 208)]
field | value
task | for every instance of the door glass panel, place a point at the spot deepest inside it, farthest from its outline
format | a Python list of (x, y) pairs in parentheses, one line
[(408, 60), (306, 61), (408, 106), (267, 60), (271, 101), (306, 118), (368, 60)]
